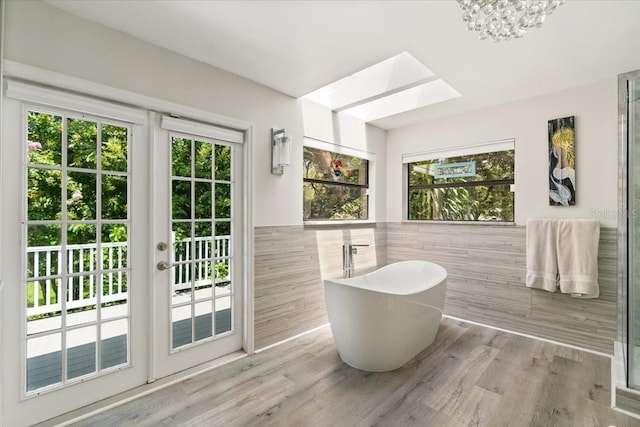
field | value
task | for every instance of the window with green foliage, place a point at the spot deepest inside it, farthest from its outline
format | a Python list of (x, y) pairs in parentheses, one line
[(474, 187), (335, 186)]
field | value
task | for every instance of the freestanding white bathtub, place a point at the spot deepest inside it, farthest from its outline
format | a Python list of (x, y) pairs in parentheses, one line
[(383, 319)]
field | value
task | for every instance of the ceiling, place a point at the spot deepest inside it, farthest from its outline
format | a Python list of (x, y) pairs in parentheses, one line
[(297, 47)]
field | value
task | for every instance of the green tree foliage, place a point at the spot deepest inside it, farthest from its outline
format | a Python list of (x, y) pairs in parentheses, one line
[(44, 192), (327, 193), (475, 202)]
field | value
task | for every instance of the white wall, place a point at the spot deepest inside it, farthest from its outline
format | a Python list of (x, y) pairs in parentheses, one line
[(595, 109), (46, 37), (43, 36), (321, 123)]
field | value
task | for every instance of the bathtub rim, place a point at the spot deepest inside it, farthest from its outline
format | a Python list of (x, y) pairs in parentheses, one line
[(356, 282)]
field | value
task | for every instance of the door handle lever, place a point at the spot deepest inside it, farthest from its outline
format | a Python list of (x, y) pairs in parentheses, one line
[(164, 265)]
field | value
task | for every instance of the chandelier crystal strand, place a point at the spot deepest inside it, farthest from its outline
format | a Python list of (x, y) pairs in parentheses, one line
[(505, 19)]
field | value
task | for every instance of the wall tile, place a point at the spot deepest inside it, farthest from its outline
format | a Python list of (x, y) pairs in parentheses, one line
[(487, 267), (290, 265)]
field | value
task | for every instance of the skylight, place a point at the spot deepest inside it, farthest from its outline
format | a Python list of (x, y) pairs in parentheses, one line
[(390, 87), (406, 100)]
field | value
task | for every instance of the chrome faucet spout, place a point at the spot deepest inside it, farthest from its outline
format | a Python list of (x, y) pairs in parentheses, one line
[(348, 251)]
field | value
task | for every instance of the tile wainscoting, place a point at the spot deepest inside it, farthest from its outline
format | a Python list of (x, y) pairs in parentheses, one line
[(487, 267), (289, 266)]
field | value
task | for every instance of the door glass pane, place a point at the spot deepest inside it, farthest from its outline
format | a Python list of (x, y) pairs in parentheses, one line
[(223, 163), (81, 195), (203, 321), (223, 238), (181, 199), (180, 157), (43, 306), (203, 200), (181, 321), (44, 194), (81, 144), (223, 315), (203, 285), (114, 246), (222, 262), (114, 148), (182, 255), (113, 349), (203, 254), (44, 257), (203, 159), (114, 300), (114, 197), (81, 351), (223, 277), (44, 143), (76, 247), (223, 200), (81, 293), (201, 243), (203, 247), (44, 361)]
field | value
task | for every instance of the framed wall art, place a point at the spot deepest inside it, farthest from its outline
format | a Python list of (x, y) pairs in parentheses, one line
[(562, 168)]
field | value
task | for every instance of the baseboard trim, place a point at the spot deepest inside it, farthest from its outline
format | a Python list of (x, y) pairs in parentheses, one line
[(522, 334), (317, 328)]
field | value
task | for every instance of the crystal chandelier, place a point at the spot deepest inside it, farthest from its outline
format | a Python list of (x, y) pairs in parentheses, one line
[(505, 19)]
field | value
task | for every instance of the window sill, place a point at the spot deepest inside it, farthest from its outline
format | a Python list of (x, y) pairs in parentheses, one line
[(442, 222), (339, 223)]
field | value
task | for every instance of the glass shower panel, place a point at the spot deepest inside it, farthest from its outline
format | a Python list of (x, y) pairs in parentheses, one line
[(633, 224)]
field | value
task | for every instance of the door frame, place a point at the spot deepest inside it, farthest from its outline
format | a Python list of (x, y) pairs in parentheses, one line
[(70, 84)]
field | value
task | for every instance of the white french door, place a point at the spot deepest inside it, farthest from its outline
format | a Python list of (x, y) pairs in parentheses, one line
[(74, 252), (122, 249), (197, 217)]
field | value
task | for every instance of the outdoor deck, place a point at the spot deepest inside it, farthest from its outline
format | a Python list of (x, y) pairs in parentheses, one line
[(44, 367)]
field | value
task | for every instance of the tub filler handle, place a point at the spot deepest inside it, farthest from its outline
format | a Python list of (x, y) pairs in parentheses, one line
[(348, 251)]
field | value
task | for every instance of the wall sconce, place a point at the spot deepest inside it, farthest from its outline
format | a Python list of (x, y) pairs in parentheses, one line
[(280, 151)]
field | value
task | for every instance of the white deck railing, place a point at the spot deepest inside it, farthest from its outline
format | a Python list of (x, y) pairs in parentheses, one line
[(46, 262), (203, 267)]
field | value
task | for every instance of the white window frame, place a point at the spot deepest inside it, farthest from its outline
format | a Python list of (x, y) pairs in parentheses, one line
[(371, 179), (463, 150)]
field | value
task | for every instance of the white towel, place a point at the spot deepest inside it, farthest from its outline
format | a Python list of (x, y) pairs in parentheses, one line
[(577, 248), (542, 260)]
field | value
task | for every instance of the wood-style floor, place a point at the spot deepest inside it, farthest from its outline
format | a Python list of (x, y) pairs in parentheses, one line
[(470, 376)]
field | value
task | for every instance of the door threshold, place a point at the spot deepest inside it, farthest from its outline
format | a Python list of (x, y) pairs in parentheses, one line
[(138, 392)]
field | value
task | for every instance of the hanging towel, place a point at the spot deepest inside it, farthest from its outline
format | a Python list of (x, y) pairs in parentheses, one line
[(542, 262), (577, 244)]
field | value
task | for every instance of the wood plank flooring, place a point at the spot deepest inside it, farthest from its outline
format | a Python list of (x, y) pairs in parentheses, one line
[(470, 376)]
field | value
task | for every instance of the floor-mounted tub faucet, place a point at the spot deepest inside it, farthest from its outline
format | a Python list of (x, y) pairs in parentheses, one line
[(348, 251)]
